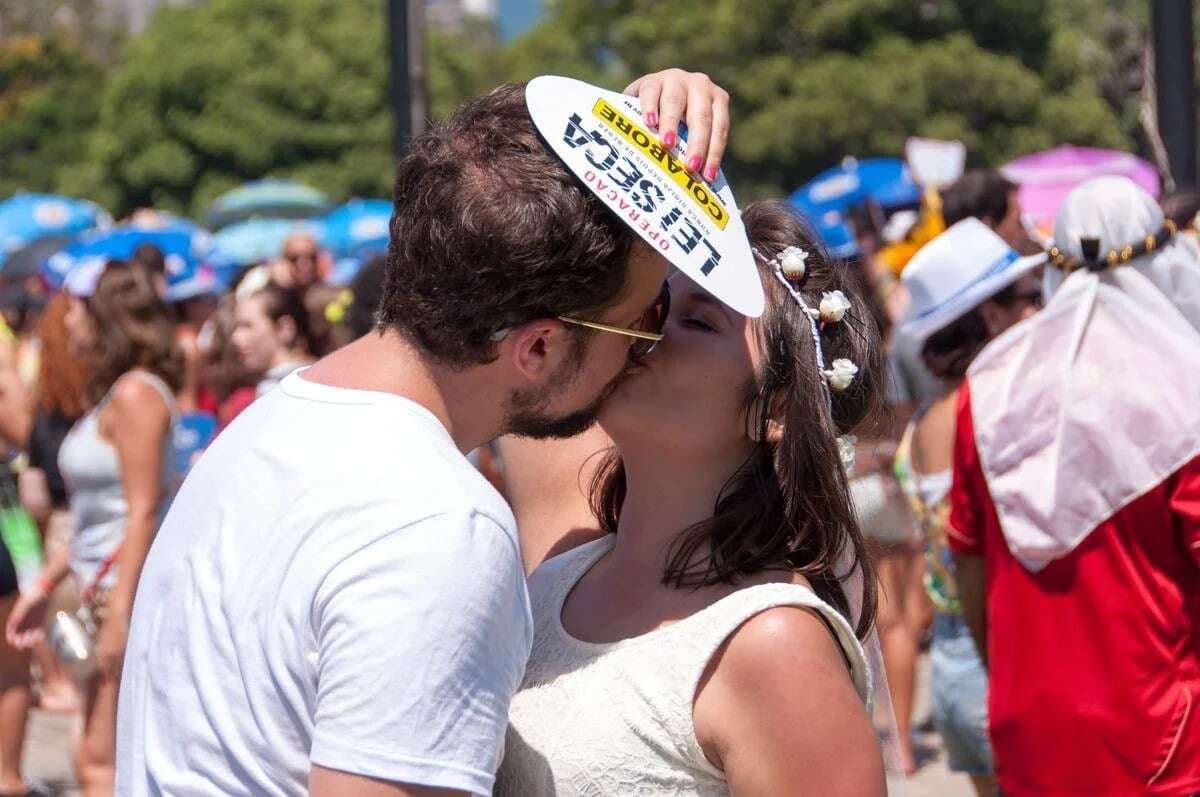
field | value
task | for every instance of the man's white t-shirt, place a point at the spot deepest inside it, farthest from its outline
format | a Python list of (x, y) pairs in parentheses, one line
[(335, 585)]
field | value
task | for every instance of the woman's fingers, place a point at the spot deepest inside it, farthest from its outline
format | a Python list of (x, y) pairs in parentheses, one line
[(672, 95), (719, 135), (647, 89), (699, 121), (671, 104), (26, 638)]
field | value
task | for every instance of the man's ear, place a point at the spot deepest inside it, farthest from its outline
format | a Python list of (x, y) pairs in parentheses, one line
[(536, 349)]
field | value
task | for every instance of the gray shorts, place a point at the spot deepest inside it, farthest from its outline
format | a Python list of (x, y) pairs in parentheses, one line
[(960, 696)]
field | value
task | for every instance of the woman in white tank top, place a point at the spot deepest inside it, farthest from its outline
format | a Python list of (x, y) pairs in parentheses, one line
[(118, 465), (709, 644)]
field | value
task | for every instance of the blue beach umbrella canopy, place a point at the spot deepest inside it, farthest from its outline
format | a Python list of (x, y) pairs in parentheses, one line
[(268, 198), (28, 218), (164, 221), (182, 249), (359, 228), (255, 240), (830, 225), (827, 198)]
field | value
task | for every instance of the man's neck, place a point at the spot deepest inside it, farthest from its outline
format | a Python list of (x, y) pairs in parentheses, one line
[(467, 402)]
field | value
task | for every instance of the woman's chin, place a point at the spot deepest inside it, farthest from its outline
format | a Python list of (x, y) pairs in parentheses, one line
[(626, 405)]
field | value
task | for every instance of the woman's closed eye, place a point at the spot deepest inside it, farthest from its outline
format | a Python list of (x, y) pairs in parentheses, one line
[(696, 322)]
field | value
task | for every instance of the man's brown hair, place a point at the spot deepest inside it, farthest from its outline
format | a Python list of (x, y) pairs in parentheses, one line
[(490, 230)]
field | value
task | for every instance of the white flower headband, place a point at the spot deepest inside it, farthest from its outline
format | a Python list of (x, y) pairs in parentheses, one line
[(791, 264)]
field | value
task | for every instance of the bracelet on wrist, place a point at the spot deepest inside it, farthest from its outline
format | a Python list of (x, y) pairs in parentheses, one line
[(44, 585)]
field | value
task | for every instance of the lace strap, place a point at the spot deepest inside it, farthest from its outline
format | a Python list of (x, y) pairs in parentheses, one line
[(556, 577), (728, 615)]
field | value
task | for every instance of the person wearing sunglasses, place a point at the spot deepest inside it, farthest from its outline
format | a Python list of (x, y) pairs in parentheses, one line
[(648, 331), (336, 603), (301, 263)]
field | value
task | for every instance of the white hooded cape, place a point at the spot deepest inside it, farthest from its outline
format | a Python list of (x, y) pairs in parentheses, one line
[(1095, 400)]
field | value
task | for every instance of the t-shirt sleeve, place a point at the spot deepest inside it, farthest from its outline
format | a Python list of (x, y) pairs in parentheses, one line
[(1185, 505), (969, 498), (422, 638)]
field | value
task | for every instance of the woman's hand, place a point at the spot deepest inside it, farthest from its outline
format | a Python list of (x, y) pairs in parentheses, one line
[(27, 622), (110, 643), (672, 94)]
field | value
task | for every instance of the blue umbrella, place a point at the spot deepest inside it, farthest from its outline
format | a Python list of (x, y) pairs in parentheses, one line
[(195, 279), (255, 240), (269, 198), (26, 218), (183, 250), (357, 229), (147, 219), (830, 224), (826, 199), (27, 261)]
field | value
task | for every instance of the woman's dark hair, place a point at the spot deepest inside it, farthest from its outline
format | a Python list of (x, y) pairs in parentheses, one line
[(948, 353), (151, 258), (980, 193), (788, 507), (223, 369), (280, 303), (490, 230), (134, 327)]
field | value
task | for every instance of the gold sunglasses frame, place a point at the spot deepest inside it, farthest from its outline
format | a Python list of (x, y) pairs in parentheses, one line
[(633, 333)]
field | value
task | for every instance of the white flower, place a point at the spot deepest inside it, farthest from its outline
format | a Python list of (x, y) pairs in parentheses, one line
[(834, 305), (792, 261), (841, 375), (846, 445)]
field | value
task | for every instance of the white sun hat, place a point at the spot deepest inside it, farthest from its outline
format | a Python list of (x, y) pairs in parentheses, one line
[(956, 272), (601, 137)]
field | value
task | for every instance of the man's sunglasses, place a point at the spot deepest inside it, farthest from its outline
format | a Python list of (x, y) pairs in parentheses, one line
[(648, 330)]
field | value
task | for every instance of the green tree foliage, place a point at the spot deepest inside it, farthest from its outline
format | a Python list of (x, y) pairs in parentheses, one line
[(217, 93), (49, 97), (816, 80)]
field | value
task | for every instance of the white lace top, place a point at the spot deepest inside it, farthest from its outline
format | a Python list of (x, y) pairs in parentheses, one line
[(616, 718)]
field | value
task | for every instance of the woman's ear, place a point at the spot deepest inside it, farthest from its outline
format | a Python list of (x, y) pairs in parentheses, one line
[(285, 331), (774, 432), (774, 427)]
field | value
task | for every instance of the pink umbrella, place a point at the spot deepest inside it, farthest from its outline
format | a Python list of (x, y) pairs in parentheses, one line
[(1047, 177)]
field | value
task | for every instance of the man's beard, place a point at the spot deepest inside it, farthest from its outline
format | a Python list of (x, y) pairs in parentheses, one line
[(527, 418), (538, 425)]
